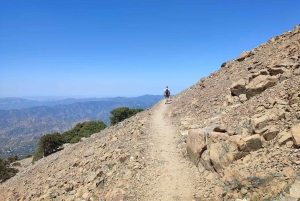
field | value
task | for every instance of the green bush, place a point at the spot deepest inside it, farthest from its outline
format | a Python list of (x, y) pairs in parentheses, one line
[(38, 154), (5, 171), (121, 113), (85, 129), (75, 139), (28, 156), (12, 159), (16, 164), (48, 144)]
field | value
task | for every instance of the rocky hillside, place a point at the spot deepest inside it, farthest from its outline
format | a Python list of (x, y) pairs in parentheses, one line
[(234, 135), (243, 123)]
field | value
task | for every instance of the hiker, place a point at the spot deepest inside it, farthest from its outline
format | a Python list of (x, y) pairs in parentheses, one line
[(167, 94)]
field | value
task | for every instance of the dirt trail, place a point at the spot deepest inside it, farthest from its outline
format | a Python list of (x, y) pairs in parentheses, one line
[(174, 174)]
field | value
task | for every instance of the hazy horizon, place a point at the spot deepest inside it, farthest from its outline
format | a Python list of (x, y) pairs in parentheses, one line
[(72, 97)]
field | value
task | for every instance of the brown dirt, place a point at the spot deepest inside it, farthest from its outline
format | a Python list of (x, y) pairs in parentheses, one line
[(174, 174)]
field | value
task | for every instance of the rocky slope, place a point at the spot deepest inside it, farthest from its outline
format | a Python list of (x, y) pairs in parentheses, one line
[(243, 123), (235, 133)]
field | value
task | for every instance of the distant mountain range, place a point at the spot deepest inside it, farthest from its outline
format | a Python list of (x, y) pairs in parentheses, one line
[(23, 122), (21, 103)]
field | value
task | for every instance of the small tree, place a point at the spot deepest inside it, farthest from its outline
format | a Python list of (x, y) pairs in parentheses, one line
[(12, 159), (48, 144), (84, 129), (5, 171), (121, 113)]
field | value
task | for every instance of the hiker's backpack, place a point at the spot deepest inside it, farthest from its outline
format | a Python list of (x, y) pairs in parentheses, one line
[(167, 92)]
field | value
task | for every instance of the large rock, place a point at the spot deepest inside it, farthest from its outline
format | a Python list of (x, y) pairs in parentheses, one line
[(222, 154), (238, 87), (196, 144), (295, 188), (217, 136), (243, 55), (270, 133), (205, 163), (259, 84), (253, 142), (284, 137), (259, 124), (296, 135)]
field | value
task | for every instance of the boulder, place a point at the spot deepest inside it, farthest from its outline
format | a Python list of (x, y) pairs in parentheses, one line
[(288, 171), (222, 154), (286, 75), (217, 136), (223, 64), (258, 124), (243, 98), (270, 133), (296, 134), (221, 128), (295, 188), (243, 55), (238, 87), (259, 84), (205, 163), (196, 144), (253, 142), (284, 137), (276, 71), (297, 71)]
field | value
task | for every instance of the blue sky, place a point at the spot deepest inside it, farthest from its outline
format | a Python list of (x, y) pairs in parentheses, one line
[(128, 48)]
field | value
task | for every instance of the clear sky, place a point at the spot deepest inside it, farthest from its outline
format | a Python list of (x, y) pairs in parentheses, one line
[(128, 47)]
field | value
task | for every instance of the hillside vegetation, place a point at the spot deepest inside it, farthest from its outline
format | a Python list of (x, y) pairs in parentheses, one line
[(21, 129)]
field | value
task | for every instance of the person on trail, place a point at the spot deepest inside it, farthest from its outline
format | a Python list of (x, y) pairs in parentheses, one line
[(167, 94)]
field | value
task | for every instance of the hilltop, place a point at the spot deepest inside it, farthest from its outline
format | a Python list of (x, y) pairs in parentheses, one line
[(234, 135)]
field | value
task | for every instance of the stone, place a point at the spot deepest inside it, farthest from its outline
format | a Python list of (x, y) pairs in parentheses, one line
[(253, 142), (297, 71), (222, 154), (242, 56), (238, 87), (270, 133), (221, 129), (259, 123), (196, 144), (259, 84), (285, 76), (276, 71), (205, 162), (89, 152), (288, 171), (296, 134), (216, 136), (243, 98), (223, 64), (284, 137), (295, 188)]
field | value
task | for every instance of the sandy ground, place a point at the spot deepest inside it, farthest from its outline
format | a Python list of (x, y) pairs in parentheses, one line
[(175, 175)]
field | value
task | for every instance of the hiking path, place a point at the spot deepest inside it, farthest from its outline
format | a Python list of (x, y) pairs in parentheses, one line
[(174, 176)]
